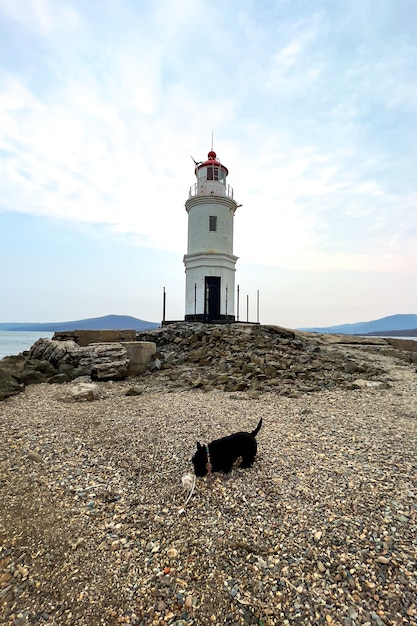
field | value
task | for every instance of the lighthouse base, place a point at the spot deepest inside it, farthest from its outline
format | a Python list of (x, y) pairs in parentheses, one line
[(222, 319)]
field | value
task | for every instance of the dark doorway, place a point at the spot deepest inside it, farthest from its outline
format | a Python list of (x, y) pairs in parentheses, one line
[(212, 300)]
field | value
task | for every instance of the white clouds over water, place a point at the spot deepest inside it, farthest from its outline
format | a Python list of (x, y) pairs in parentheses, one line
[(313, 108)]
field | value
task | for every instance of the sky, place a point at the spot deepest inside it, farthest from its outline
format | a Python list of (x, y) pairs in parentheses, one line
[(312, 107)]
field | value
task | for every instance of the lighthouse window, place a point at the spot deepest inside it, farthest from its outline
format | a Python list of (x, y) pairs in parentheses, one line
[(212, 173), (213, 223)]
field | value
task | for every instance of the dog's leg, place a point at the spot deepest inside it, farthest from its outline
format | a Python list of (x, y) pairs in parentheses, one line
[(247, 461), (226, 467)]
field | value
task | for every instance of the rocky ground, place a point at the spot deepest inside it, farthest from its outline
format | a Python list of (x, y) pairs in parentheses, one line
[(235, 357), (322, 529), (260, 358)]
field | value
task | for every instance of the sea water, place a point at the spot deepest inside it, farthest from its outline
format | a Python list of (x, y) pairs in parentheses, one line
[(396, 337), (16, 341)]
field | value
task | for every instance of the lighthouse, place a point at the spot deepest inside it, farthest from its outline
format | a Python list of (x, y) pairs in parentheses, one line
[(210, 262)]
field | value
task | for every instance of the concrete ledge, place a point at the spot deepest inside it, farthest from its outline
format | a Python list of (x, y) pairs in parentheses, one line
[(84, 337), (139, 354)]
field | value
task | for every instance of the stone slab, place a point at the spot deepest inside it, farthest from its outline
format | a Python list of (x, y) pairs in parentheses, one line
[(84, 337)]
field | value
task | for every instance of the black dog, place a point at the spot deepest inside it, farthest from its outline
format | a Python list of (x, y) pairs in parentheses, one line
[(221, 454)]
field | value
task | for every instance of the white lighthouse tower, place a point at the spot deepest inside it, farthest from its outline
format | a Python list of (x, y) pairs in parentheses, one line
[(210, 262)]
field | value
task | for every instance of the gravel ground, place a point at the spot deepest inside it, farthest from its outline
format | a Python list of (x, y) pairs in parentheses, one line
[(321, 530)]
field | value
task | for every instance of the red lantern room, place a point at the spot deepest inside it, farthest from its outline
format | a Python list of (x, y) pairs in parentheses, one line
[(211, 178), (211, 169)]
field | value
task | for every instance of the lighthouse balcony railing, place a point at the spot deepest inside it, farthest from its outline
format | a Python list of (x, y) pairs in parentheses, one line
[(203, 188)]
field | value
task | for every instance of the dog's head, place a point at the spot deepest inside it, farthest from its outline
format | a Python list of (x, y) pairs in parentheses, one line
[(199, 460)]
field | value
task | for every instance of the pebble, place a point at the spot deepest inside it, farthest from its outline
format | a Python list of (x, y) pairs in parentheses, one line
[(35, 456), (383, 559), (188, 604), (172, 553)]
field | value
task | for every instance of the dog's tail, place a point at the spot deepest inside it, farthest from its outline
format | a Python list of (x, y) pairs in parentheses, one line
[(257, 429)]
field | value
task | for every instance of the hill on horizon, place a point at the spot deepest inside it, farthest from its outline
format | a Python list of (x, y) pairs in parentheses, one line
[(395, 323), (107, 322)]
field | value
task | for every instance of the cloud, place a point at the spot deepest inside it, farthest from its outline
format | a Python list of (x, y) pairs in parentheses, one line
[(312, 113)]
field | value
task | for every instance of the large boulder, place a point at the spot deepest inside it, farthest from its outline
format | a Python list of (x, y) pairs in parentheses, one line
[(24, 371), (27, 370), (104, 361), (56, 352), (14, 364), (100, 361), (9, 386), (79, 392)]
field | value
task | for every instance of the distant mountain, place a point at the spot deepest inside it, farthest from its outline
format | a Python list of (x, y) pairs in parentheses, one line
[(397, 323), (409, 332), (108, 322)]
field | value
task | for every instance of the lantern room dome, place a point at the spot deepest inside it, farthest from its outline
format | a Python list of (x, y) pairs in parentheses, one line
[(212, 160)]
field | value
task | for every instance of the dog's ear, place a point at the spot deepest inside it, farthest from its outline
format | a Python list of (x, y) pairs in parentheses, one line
[(199, 446)]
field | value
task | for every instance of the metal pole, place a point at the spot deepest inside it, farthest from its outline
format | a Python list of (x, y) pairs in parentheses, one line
[(195, 300), (238, 304), (227, 288), (163, 305), (247, 308), (257, 306)]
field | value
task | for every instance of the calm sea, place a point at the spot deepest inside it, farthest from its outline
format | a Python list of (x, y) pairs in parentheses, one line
[(396, 337), (16, 341)]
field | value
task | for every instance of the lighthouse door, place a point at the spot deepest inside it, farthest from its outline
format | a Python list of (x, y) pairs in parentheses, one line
[(212, 300)]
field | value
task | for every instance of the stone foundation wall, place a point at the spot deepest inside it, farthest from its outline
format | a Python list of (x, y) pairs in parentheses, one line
[(84, 337)]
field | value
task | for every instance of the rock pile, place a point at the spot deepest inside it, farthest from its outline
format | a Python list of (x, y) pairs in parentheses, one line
[(236, 357), (255, 358), (61, 361)]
